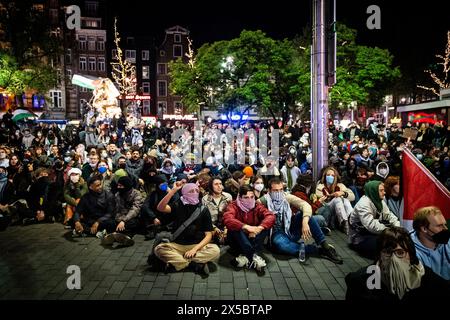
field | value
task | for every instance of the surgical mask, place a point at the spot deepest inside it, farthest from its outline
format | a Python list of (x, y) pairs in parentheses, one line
[(75, 178), (67, 159), (441, 237), (93, 164), (277, 196), (329, 179), (383, 172), (419, 156), (163, 187), (258, 186), (102, 170), (122, 165)]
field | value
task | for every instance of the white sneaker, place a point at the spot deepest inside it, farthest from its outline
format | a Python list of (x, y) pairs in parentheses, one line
[(258, 263), (240, 261)]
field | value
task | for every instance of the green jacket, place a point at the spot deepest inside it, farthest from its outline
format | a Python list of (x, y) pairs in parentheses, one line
[(72, 191)]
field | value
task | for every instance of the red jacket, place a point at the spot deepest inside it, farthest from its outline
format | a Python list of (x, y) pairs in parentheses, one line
[(234, 218)]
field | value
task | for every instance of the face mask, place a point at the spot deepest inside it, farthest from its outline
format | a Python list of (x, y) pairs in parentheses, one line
[(383, 172), (102, 170), (277, 196), (75, 178), (360, 146), (67, 159), (122, 165), (329, 179), (246, 204), (419, 156), (446, 163), (39, 135), (441, 237), (163, 187), (258, 186), (93, 164), (190, 198), (121, 191), (2, 175)]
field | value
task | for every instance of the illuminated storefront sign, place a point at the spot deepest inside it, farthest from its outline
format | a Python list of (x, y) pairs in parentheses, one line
[(179, 117), (137, 97)]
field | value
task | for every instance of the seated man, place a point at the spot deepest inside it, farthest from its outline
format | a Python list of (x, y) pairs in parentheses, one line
[(128, 203), (431, 239), (248, 224), (289, 228), (95, 210), (192, 247)]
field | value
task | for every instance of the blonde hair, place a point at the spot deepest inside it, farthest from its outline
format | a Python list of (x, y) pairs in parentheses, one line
[(421, 217)]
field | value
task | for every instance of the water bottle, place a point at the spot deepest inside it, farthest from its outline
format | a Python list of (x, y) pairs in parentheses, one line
[(302, 252)]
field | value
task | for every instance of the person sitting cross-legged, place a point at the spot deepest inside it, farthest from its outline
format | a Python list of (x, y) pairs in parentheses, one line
[(289, 228), (94, 212), (192, 248), (248, 224), (128, 203)]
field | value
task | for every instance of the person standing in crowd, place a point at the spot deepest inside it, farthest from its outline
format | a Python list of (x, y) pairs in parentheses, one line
[(369, 218), (192, 248), (403, 276), (431, 239), (248, 225)]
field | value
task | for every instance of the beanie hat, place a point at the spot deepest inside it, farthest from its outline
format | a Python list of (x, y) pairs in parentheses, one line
[(74, 170), (126, 182)]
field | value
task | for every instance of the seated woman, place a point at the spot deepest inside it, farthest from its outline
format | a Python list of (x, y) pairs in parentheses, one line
[(393, 198), (369, 218), (257, 182), (338, 198), (397, 275)]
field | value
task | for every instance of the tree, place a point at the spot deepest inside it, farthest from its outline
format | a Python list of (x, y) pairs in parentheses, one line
[(441, 79), (123, 72), (29, 49)]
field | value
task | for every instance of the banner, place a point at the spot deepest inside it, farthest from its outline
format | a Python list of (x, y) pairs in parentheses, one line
[(421, 189)]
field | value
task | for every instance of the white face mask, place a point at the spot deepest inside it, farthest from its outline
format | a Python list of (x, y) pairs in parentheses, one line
[(75, 178), (383, 172), (258, 186)]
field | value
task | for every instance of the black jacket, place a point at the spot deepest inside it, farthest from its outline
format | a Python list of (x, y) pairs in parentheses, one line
[(95, 207)]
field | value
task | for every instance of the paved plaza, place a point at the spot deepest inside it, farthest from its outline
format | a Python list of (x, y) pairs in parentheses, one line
[(34, 260)]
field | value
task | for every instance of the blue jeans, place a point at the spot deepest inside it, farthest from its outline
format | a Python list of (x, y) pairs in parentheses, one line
[(240, 241), (287, 244)]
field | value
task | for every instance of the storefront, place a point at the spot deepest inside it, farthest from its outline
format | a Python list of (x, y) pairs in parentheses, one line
[(430, 112)]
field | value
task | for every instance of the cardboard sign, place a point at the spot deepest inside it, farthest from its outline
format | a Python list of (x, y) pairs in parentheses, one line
[(410, 133)]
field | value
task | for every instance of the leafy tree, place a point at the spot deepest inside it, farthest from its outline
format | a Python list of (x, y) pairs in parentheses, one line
[(28, 49)]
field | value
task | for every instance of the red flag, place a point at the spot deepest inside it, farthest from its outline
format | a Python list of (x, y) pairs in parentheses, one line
[(421, 188)]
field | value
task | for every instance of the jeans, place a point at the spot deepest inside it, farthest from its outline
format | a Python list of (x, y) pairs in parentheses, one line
[(287, 244), (240, 241)]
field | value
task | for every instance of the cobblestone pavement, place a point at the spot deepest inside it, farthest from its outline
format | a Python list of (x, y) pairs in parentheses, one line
[(34, 260)]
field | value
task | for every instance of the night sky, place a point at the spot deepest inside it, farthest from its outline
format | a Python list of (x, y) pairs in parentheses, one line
[(412, 32)]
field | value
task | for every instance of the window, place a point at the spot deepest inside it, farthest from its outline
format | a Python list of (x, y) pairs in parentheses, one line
[(83, 89), (177, 50), (69, 56), (82, 43), (178, 107), (162, 53), (92, 64), (146, 107), (130, 55), (90, 23), (162, 68), (162, 108), (101, 63), (91, 8), (114, 54), (100, 44), (145, 72), (177, 38), (145, 55), (146, 87), (69, 74), (91, 43), (162, 88), (83, 65), (56, 97)]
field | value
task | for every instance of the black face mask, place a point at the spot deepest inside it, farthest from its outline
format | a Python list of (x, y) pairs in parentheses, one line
[(122, 165), (441, 237)]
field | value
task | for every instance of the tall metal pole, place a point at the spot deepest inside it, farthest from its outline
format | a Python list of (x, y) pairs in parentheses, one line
[(319, 90)]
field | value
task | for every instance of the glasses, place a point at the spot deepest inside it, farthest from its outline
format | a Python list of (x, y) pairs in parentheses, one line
[(400, 253)]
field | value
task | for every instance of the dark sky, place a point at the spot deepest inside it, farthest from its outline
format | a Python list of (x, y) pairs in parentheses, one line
[(414, 33)]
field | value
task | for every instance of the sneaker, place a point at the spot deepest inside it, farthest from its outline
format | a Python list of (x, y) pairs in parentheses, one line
[(123, 239), (240, 261), (108, 240), (101, 234), (28, 221), (330, 254), (326, 231), (258, 264), (150, 235)]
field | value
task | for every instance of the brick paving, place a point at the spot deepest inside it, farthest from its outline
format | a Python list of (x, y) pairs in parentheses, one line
[(34, 261)]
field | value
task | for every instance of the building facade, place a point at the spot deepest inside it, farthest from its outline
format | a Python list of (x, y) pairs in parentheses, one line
[(174, 46)]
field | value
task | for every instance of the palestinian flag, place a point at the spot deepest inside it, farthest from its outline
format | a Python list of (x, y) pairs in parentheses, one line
[(22, 114)]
